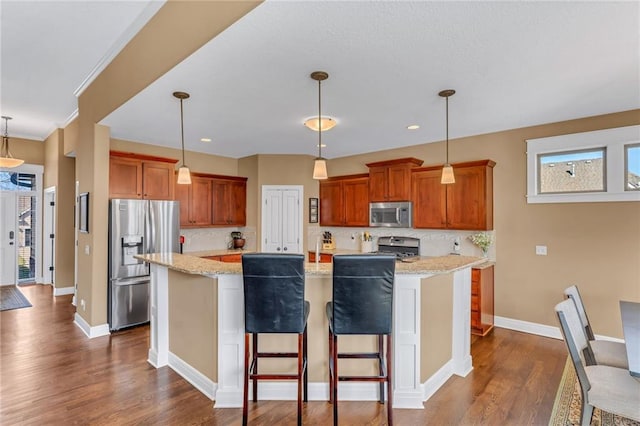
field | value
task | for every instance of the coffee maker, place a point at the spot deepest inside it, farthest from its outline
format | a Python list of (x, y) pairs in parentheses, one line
[(238, 240)]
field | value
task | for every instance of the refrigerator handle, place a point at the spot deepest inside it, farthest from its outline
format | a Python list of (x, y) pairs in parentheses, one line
[(148, 229)]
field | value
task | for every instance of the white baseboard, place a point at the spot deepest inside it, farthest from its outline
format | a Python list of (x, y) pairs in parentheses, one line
[(528, 327), (63, 291), (436, 381), (91, 332), (193, 376)]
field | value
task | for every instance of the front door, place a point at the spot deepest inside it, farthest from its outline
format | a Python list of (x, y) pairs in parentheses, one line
[(8, 238), (281, 219)]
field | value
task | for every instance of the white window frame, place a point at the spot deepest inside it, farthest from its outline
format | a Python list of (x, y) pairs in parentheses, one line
[(614, 142), (626, 148)]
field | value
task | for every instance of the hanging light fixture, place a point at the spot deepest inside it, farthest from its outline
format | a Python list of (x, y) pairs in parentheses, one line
[(447, 170), (6, 159), (320, 165), (184, 177)]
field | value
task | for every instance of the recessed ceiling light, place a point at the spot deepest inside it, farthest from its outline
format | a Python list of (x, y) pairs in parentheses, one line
[(413, 127), (205, 140), (328, 123)]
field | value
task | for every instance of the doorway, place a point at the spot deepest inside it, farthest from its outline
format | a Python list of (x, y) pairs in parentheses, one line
[(48, 236), (282, 218), (21, 228)]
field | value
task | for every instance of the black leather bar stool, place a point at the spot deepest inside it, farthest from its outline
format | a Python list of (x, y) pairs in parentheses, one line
[(274, 303), (362, 304)]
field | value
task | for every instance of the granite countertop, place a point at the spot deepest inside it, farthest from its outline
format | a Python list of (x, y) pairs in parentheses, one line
[(220, 252), (190, 264)]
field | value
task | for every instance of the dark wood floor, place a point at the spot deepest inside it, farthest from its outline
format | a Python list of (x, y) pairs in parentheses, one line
[(51, 373)]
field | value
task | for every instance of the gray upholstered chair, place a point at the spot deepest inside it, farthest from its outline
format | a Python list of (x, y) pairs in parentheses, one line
[(604, 352), (362, 304), (274, 303), (609, 388)]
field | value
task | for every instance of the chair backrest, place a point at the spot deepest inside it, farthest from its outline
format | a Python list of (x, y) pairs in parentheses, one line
[(575, 339), (273, 293), (363, 293), (573, 293)]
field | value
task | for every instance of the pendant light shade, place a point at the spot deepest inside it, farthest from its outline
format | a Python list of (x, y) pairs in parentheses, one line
[(447, 170), (6, 159), (184, 176), (320, 165), (320, 169)]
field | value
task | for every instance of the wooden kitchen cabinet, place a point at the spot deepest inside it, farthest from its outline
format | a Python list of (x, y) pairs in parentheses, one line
[(344, 201), (324, 257), (466, 204), (229, 201), (195, 202), (391, 180), (230, 258), (141, 176), (482, 300)]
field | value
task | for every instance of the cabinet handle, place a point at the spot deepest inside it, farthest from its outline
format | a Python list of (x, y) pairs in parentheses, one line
[(285, 249), (278, 249)]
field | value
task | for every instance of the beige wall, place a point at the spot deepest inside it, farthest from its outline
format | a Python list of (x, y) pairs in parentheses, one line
[(139, 64), (59, 172), (593, 245), (197, 161), (436, 324), (32, 152), (193, 307)]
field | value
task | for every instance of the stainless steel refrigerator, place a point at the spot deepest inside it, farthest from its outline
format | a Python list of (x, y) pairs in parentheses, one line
[(136, 227)]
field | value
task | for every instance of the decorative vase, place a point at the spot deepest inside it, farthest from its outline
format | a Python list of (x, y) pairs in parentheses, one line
[(485, 252)]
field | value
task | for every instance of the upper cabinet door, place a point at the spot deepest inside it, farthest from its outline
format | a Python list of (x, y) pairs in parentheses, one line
[(391, 180), (141, 176), (466, 204), (378, 184), (157, 180), (470, 199), (429, 200), (356, 202), (331, 203), (200, 201), (125, 178)]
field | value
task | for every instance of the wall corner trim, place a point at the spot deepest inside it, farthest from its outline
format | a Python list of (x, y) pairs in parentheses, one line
[(91, 332)]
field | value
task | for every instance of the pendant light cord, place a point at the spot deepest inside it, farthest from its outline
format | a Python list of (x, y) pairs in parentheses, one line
[(447, 120), (319, 120), (182, 130), (5, 139)]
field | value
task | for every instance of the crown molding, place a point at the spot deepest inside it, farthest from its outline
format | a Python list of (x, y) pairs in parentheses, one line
[(120, 43)]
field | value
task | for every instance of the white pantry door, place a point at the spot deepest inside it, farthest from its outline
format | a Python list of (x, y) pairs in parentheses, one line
[(8, 238), (282, 219)]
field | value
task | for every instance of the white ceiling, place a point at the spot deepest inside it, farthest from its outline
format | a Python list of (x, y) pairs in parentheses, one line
[(513, 64)]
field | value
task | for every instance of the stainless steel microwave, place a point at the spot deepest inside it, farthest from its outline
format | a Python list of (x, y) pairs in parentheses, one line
[(391, 215)]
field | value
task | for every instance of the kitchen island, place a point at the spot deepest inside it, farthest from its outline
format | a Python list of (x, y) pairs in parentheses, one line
[(197, 328)]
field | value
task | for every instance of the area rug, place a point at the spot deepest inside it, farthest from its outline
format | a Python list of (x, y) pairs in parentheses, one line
[(12, 298), (568, 404)]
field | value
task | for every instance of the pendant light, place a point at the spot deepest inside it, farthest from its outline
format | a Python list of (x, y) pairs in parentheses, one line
[(6, 159), (184, 177), (320, 165), (447, 170)]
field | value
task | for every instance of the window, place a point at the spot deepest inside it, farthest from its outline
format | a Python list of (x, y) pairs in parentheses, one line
[(603, 165), (632, 167), (17, 181), (572, 171)]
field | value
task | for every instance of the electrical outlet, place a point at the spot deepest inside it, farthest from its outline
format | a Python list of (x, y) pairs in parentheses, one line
[(87, 249), (541, 250), (83, 305)]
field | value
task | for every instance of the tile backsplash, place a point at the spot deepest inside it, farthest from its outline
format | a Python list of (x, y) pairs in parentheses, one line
[(432, 242), (197, 239)]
